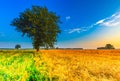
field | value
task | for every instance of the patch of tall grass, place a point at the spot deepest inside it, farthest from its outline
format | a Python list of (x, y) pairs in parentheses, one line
[(20, 66)]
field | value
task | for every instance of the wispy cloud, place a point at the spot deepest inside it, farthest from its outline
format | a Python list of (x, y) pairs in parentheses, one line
[(99, 22), (75, 30), (112, 21), (67, 18)]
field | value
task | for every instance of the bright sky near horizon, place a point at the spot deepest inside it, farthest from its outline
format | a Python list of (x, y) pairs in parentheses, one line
[(85, 23)]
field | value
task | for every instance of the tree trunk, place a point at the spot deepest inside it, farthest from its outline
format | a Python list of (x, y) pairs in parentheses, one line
[(37, 49)]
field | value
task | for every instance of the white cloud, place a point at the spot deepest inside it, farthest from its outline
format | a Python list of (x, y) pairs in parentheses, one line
[(112, 21), (111, 24), (99, 22), (80, 29), (67, 18), (75, 30)]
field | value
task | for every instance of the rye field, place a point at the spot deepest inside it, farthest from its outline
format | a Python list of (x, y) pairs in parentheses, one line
[(60, 65)]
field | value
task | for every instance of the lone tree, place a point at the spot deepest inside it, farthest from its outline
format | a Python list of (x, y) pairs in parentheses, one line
[(17, 46), (109, 46), (40, 25)]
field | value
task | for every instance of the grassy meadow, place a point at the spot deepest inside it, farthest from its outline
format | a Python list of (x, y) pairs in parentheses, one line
[(21, 66), (60, 65)]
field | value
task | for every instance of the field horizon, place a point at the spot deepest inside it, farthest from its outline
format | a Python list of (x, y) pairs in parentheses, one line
[(60, 65)]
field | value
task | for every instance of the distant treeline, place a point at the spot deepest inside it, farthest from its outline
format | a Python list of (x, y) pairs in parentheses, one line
[(107, 46), (71, 48)]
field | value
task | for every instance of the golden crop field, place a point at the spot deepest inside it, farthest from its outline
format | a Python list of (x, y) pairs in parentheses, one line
[(60, 65), (83, 65)]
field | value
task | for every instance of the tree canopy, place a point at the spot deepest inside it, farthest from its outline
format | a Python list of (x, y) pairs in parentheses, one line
[(109, 46), (17, 46), (41, 25)]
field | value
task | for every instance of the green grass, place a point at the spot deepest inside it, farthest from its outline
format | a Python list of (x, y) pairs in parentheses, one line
[(20, 66)]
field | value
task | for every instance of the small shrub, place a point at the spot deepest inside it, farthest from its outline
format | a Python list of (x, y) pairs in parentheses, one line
[(17, 46)]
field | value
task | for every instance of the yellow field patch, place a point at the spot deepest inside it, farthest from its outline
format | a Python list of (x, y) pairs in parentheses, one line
[(83, 65)]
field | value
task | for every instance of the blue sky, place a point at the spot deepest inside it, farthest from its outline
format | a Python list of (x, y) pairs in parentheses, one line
[(85, 23)]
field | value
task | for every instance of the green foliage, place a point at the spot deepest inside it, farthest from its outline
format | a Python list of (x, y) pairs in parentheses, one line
[(17, 46), (101, 48), (15, 65), (40, 25), (5, 76), (109, 46), (35, 75)]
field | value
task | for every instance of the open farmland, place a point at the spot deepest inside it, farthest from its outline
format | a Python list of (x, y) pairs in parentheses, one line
[(20, 66), (83, 65), (60, 65)]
